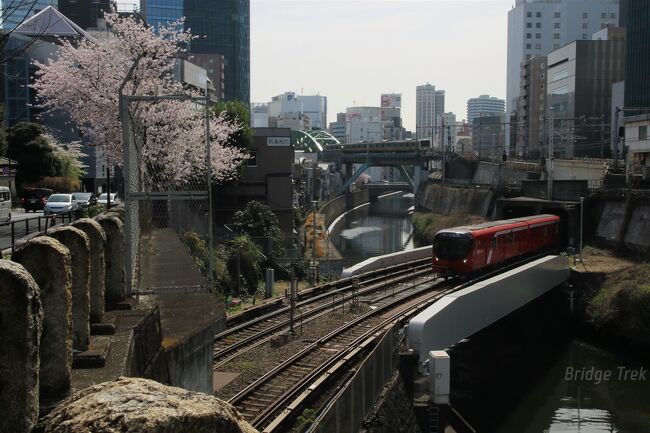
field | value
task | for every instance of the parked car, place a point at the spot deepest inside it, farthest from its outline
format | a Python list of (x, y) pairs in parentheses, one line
[(5, 205), (35, 198), (59, 203), (104, 197), (84, 199)]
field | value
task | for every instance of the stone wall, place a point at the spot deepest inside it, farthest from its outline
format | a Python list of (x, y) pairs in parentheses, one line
[(449, 200), (621, 223), (393, 411)]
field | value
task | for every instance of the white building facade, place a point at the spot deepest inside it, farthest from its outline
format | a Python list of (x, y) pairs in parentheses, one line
[(363, 124), (313, 106)]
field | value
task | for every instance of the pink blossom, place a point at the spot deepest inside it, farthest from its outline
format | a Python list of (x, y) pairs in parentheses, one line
[(85, 78)]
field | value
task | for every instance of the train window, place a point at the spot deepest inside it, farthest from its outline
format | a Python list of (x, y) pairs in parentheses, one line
[(494, 242), (452, 246)]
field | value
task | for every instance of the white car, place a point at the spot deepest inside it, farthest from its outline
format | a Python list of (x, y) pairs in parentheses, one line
[(60, 203), (5, 205), (103, 197)]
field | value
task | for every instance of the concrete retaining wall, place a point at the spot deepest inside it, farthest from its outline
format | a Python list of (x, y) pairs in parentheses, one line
[(355, 401), (449, 200), (337, 207), (381, 262), (624, 223)]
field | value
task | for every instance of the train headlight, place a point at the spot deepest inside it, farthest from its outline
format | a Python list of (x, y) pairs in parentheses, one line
[(464, 260), (436, 259)]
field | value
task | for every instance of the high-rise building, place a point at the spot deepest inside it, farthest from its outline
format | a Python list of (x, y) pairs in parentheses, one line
[(484, 105), (580, 79), (222, 27), (430, 103), (636, 18), (448, 130), (391, 117), (14, 12), (86, 14), (537, 27), (529, 131)]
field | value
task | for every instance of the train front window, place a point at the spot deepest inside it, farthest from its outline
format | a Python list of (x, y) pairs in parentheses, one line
[(452, 246)]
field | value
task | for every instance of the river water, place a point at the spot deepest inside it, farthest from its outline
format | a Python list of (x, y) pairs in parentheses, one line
[(379, 228), (521, 374)]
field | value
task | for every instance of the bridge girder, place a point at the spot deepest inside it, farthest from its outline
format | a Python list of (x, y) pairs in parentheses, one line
[(312, 141)]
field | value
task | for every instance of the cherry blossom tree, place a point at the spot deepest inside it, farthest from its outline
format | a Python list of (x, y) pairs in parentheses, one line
[(85, 79)]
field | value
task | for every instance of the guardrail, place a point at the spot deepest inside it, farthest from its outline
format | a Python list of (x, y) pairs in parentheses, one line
[(29, 226)]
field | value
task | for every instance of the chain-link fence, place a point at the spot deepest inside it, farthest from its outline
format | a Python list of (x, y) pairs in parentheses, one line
[(167, 203)]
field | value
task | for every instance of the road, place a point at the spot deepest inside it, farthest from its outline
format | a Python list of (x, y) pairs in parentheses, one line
[(21, 228)]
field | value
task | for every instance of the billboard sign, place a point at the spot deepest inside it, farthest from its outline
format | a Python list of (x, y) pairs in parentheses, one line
[(391, 100)]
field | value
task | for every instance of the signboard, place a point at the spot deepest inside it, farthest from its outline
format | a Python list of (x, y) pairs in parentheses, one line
[(391, 100), (278, 141)]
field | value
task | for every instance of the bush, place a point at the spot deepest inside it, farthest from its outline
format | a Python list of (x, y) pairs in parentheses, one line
[(426, 225), (198, 249), (60, 184)]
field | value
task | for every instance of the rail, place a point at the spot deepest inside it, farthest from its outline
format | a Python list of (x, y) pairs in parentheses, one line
[(19, 229)]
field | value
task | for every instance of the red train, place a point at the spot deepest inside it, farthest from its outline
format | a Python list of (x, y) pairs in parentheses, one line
[(468, 249)]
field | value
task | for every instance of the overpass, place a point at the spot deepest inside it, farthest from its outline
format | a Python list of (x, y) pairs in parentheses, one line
[(399, 154)]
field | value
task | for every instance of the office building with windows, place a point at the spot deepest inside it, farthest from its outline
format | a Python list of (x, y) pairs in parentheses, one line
[(579, 91), (529, 132), (223, 29), (537, 27), (484, 105), (430, 103)]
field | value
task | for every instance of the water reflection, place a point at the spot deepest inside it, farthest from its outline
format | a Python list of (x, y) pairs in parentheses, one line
[(380, 228)]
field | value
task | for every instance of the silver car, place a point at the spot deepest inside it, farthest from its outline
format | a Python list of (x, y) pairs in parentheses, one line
[(59, 203)]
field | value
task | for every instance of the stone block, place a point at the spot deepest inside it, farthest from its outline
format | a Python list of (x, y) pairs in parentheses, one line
[(97, 239), (115, 281), (49, 263), (611, 221), (21, 316), (130, 405), (79, 245), (637, 235)]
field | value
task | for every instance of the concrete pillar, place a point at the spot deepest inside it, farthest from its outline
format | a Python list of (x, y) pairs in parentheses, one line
[(21, 317), (79, 245), (49, 263), (97, 239), (114, 256)]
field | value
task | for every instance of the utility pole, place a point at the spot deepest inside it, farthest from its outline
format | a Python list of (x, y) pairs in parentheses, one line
[(492, 158), (602, 136), (616, 139), (549, 160), (444, 153)]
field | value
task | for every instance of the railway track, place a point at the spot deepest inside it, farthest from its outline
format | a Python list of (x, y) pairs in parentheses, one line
[(246, 336), (260, 402)]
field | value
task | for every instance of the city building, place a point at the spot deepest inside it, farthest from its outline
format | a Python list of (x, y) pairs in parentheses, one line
[(637, 142), (86, 14), (337, 129), (484, 105), (214, 65), (222, 27), (537, 27), (529, 130), (579, 92), (293, 121), (267, 177), (363, 124), (259, 115), (488, 137), (635, 16), (391, 118), (313, 106), (14, 12), (430, 103), (448, 130)]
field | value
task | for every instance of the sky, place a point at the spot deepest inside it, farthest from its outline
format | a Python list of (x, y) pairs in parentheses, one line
[(352, 51)]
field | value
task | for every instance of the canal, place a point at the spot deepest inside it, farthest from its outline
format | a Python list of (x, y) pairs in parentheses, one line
[(379, 228), (533, 372)]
